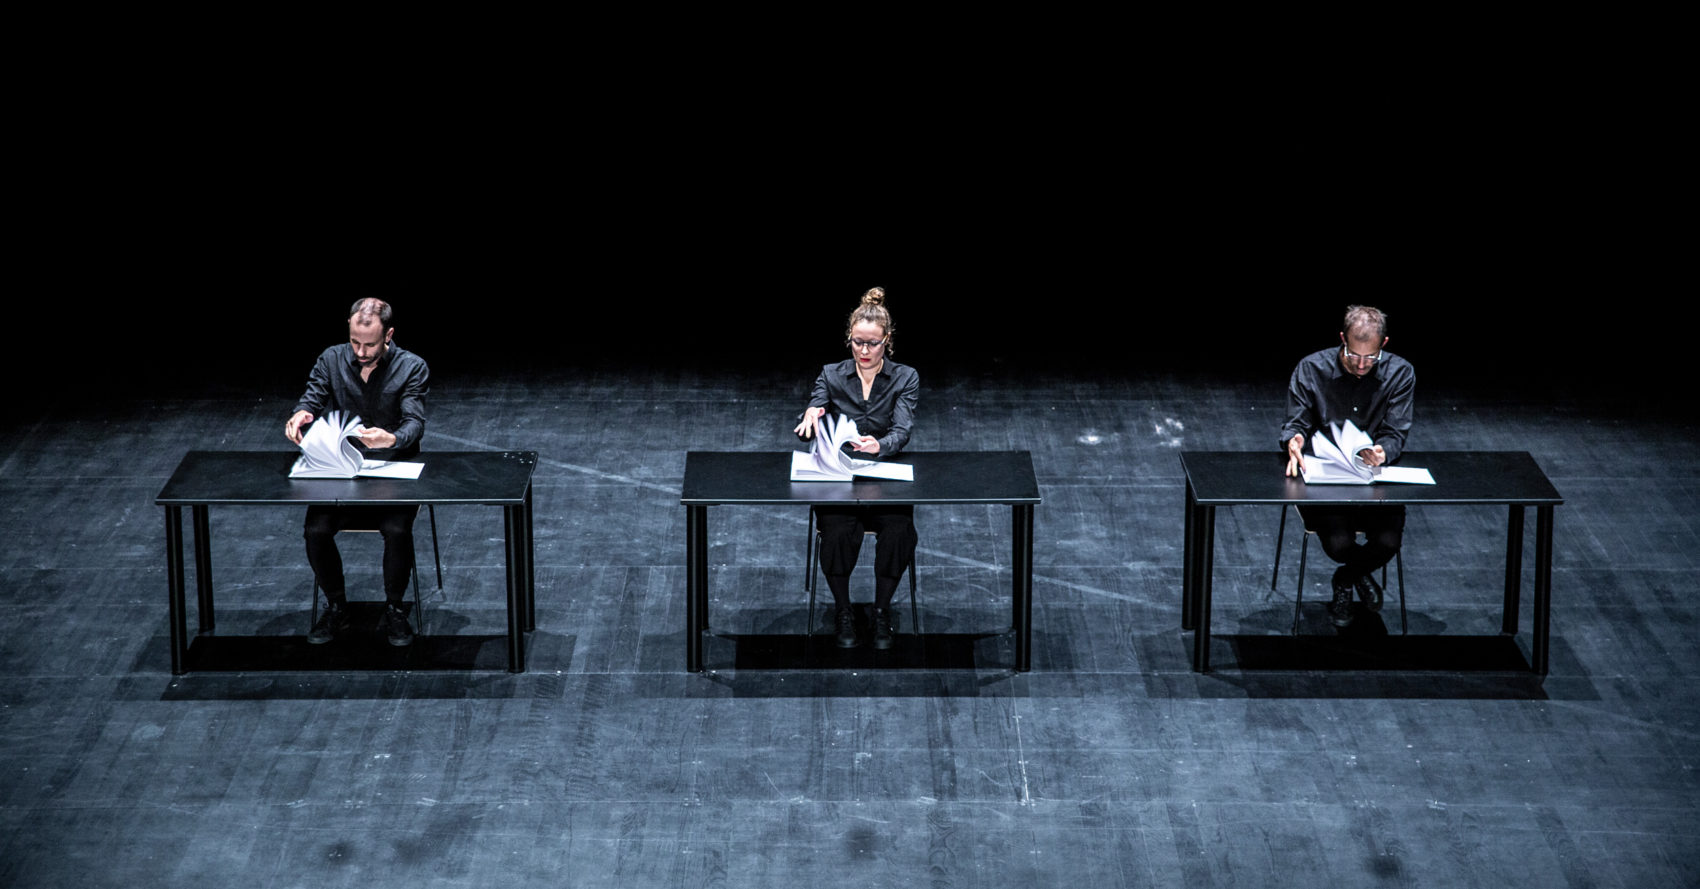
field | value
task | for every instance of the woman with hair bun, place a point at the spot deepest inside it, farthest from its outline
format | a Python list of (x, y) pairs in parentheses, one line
[(879, 395)]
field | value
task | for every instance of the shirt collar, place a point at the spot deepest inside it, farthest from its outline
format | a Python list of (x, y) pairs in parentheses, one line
[(850, 368)]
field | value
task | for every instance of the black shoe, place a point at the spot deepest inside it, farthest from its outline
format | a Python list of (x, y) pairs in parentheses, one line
[(1369, 591), (882, 628), (1340, 610), (394, 625), (333, 621), (847, 628)]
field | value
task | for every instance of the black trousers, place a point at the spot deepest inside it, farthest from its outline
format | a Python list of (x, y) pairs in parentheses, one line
[(395, 523), (841, 530), (1337, 530)]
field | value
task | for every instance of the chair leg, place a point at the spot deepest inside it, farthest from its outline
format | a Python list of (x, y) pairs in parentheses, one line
[(809, 556), (418, 603), (914, 610), (436, 553), (1298, 601), (1398, 560), (1280, 534)]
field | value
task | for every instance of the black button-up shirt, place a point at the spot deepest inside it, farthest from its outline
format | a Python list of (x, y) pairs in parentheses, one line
[(886, 414), (1322, 392), (392, 399)]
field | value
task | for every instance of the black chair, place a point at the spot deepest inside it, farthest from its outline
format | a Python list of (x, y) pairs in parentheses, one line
[(811, 563), (418, 604), (1304, 548)]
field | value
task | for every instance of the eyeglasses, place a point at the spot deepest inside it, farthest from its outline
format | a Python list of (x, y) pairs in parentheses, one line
[(1360, 360), (866, 345)]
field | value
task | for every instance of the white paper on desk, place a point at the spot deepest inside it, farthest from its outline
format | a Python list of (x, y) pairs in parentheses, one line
[(390, 469), (827, 462), (1334, 460), (326, 452)]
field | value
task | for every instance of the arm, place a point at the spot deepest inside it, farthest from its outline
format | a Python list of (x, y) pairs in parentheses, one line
[(413, 393), (1302, 420), (902, 419), (312, 402), (1396, 423), (819, 400)]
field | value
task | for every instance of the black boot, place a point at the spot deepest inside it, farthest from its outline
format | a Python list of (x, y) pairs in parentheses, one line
[(1369, 591), (1340, 610), (847, 628), (333, 621), (882, 628), (394, 625)]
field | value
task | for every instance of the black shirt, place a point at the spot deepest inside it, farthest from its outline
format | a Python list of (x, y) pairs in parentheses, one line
[(886, 414), (392, 399), (1380, 402)]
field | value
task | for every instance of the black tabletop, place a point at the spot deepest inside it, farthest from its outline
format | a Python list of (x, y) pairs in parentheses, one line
[(214, 478), (1460, 477), (724, 477)]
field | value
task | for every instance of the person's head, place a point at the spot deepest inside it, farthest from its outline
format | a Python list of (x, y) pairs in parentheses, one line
[(369, 329), (1363, 334), (869, 334)]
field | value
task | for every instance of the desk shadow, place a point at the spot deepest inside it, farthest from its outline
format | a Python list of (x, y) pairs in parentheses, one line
[(1361, 666), (281, 646), (820, 651)]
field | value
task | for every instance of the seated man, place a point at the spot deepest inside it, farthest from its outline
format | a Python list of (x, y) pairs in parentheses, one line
[(1360, 381), (385, 385)]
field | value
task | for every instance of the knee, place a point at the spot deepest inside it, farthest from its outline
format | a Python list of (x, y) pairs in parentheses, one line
[(1338, 545), (396, 530), (318, 528)]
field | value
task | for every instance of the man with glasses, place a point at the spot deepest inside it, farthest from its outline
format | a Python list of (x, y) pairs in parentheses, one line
[(386, 386), (1357, 380)]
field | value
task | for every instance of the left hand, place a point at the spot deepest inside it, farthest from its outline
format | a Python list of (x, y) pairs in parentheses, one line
[(376, 439), (1373, 456), (866, 444)]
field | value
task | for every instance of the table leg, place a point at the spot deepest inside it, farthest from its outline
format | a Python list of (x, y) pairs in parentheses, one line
[(1205, 567), (1189, 551), (696, 584), (513, 525), (529, 550), (1021, 576), (203, 566), (176, 620), (1513, 569), (1543, 589)]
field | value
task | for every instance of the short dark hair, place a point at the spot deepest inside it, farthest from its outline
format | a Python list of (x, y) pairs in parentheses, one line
[(368, 308), (1361, 320)]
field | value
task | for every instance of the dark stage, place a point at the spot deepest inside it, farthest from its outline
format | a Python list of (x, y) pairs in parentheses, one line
[(1350, 758)]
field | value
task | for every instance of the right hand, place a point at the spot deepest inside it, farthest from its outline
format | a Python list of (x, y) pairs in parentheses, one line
[(1295, 455), (292, 429), (811, 422)]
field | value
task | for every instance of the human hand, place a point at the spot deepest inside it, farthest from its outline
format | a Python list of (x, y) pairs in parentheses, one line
[(811, 422), (866, 444), (292, 429), (375, 439), (1373, 456), (1295, 455)]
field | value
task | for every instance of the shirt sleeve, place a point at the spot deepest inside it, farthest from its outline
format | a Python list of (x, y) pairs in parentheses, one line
[(820, 397), (1302, 412), (317, 395), (1401, 404), (902, 416), (413, 392)]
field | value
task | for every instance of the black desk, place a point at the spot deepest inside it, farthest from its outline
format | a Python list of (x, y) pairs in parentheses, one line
[(1462, 478), (261, 478), (715, 478)]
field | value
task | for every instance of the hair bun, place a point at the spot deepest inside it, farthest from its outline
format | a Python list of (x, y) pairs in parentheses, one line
[(874, 297)]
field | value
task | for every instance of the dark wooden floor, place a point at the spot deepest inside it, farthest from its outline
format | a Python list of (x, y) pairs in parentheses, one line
[(1111, 764)]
